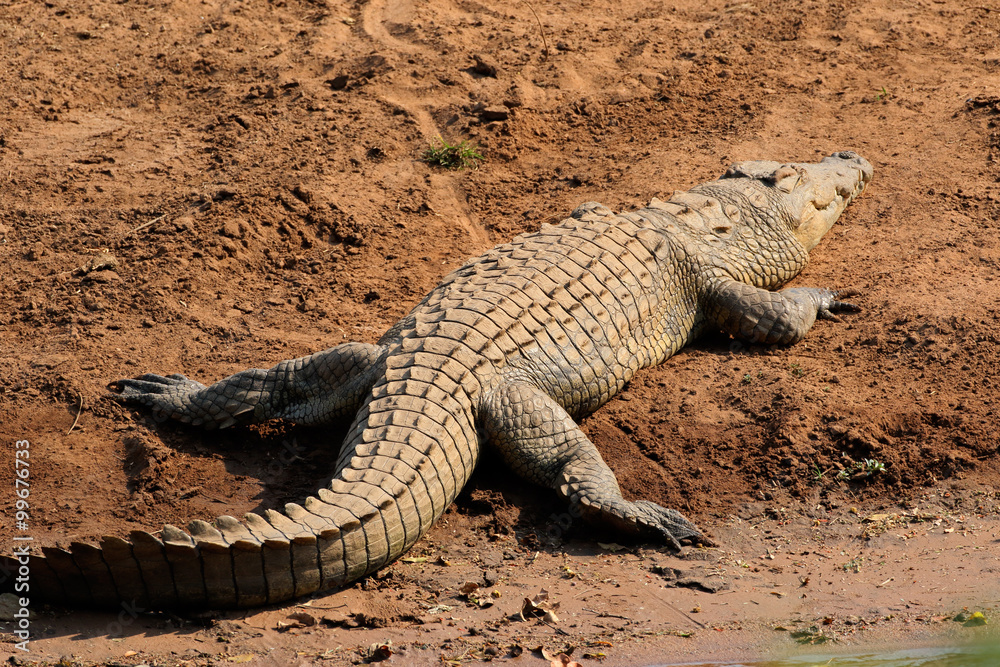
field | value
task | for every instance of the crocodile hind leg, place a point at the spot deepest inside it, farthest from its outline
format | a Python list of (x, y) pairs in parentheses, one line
[(542, 443), (315, 389)]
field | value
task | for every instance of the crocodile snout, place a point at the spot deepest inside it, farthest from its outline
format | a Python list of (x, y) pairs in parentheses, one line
[(857, 163)]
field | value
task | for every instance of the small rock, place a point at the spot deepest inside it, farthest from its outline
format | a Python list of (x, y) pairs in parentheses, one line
[(498, 112), (104, 276), (230, 229), (338, 82), (37, 252), (103, 260)]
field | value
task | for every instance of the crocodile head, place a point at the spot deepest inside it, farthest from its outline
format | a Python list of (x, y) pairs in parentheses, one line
[(815, 194)]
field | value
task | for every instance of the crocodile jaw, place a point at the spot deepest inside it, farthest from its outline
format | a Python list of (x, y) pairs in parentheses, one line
[(814, 194)]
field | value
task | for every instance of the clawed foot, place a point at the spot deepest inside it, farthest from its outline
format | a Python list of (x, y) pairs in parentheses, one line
[(670, 524), (142, 388), (648, 519), (172, 397), (830, 303)]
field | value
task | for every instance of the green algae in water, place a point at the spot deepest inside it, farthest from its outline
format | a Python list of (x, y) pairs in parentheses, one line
[(974, 656)]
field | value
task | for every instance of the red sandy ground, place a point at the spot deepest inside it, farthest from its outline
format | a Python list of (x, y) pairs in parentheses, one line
[(253, 172)]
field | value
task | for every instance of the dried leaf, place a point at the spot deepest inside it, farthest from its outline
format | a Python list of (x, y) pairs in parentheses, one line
[(414, 559), (379, 652), (538, 606), (468, 588)]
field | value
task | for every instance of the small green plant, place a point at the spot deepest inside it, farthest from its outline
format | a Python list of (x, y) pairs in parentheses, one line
[(853, 565), (453, 156), (862, 468), (870, 466), (796, 370), (747, 379), (818, 474), (812, 635)]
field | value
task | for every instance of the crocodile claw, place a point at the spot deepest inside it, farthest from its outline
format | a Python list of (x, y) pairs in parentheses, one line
[(135, 389), (670, 524), (830, 303)]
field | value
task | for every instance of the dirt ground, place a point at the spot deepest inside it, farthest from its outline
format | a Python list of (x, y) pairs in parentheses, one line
[(202, 186)]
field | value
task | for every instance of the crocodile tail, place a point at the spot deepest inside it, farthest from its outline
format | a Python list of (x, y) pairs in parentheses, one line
[(409, 453)]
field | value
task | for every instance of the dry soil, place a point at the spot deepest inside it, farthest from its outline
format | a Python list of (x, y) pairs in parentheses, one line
[(209, 185)]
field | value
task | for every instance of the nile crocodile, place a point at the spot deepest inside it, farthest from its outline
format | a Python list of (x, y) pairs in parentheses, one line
[(509, 350)]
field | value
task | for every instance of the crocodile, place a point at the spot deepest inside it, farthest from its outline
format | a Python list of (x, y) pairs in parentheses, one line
[(509, 351)]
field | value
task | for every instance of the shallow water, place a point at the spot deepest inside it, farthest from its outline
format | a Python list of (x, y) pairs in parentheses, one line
[(979, 656)]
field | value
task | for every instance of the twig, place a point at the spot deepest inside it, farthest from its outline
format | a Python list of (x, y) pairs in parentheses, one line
[(145, 224), (309, 605), (545, 42), (79, 411), (559, 630), (194, 209), (605, 614), (687, 616)]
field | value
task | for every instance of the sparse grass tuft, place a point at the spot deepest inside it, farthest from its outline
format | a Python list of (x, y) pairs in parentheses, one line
[(453, 156), (860, 469)]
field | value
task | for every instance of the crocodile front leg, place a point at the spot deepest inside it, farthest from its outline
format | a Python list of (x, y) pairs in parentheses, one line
[(315, 389), (762, 316), (543, 444)]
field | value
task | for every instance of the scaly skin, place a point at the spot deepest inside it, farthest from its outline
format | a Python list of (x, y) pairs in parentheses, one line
[(511, 348)]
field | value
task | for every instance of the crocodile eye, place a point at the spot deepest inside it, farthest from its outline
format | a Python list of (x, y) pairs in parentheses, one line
[(785, 178)]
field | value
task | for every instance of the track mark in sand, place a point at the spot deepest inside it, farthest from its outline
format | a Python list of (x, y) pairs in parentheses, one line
[(446, 192), (375, 16)]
